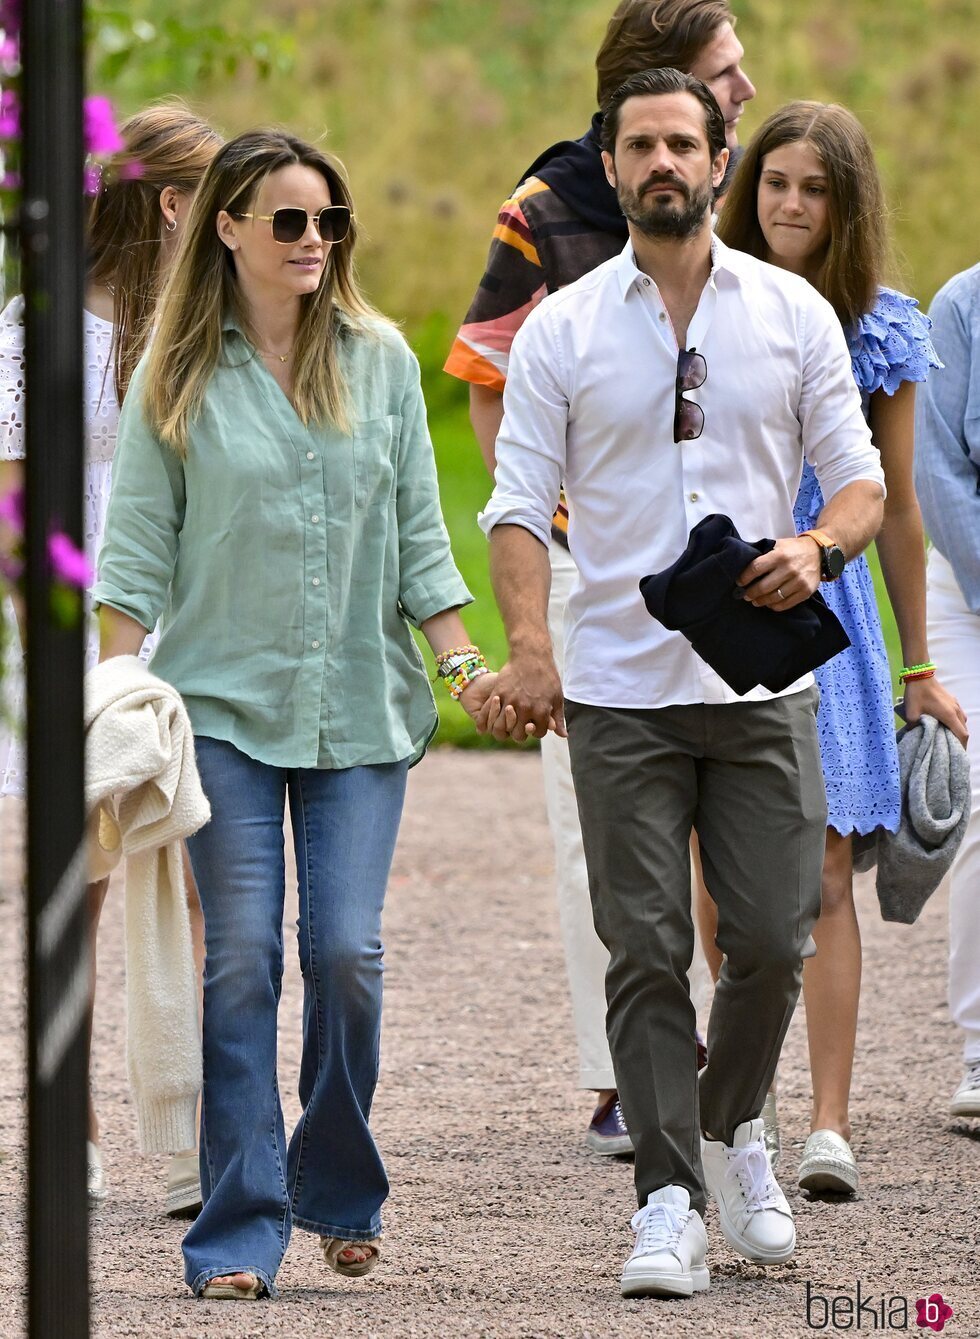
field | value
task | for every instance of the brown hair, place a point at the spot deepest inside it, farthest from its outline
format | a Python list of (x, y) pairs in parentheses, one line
[(649, 34), (656, 83), (858, 252), (203, 290), (165, 145)]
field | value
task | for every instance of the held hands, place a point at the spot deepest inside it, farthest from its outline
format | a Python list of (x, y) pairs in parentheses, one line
[(484, 708), (927, 697), (524, 699), (475, 694), (784, 577)]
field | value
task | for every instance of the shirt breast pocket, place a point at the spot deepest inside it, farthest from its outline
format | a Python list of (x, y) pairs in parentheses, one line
[(375, 446)]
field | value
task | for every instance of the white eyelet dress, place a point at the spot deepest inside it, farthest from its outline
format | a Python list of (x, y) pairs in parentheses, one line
[(101, 423)]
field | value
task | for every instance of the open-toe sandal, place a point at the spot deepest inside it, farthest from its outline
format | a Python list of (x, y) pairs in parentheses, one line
[(352, 1269), (228, 1292)]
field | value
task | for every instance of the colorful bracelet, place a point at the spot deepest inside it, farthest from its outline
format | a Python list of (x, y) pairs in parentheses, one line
[(465, 674), (457, 651), (924, 671), (448, 667)]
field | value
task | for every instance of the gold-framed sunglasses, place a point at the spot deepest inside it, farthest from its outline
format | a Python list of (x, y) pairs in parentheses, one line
[(289, 225)]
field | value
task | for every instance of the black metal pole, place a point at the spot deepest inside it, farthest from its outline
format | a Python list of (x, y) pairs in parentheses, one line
[(58, 967)]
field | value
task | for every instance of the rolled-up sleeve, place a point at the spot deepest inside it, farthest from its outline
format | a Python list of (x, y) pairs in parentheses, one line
[(429, 581), (836, 437), (947, 434), (531, 443), (144, 518)]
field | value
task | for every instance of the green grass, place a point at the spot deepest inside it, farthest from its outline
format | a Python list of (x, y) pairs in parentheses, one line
[(465, 487)]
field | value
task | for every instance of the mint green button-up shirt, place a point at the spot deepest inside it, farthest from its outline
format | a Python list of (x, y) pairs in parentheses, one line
[(285, 563)]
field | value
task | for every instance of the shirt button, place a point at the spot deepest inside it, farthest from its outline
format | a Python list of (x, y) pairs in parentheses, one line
[(646, 283), (695, 496), (316, 581), (310, 455), (314, 519), (315, 645), (663, 316)]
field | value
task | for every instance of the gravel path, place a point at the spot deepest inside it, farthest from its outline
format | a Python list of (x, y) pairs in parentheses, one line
[(500, 1224)]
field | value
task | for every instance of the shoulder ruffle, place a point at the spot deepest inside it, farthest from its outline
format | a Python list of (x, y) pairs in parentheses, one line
[(891, 344)]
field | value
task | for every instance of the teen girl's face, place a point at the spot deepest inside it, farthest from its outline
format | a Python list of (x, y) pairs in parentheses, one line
[(265, 266), (794, 207)]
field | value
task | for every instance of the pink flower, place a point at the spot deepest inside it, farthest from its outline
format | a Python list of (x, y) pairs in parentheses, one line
[(11, 568), (69, 563), (10, 17), (9, 115), (11, 181), (131, 171), (9, 55), (12, 517), (101, 135), (92, 178), (12, 510)]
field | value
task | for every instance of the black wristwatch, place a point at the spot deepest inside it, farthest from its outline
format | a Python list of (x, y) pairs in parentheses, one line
[(832, 558)]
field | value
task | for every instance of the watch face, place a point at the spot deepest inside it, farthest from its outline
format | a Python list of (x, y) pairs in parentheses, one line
[(833, 562)]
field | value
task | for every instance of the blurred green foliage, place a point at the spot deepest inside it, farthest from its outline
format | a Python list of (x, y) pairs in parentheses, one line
[(437, 106), (141, 51)]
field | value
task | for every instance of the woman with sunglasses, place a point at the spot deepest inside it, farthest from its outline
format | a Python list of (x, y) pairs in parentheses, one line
[(807, 198), (275, 500), (135, 220)]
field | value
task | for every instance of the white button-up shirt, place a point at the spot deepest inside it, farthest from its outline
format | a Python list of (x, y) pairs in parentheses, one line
[(589, 403)]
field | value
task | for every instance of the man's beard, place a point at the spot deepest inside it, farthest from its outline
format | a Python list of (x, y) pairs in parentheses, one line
[(663, 218)]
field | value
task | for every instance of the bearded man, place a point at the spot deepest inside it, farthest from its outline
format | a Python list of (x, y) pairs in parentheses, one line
[(562, 221), (678, 380)]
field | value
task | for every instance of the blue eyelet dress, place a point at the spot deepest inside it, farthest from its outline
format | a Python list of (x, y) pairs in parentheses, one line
[(856, 721)]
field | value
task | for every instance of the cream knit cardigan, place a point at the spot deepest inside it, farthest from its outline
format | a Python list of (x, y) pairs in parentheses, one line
[(142, 795)]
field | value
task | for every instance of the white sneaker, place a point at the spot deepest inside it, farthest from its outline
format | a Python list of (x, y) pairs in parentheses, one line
[(966, 1100), (754, 1216), (668, 1258), (95, 1175)]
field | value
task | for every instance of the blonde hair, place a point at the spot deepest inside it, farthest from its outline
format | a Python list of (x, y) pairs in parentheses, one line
[(858, 252), (164, 145), (203, 289)]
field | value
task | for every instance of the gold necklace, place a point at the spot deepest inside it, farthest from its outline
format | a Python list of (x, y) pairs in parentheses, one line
[(266, 353)]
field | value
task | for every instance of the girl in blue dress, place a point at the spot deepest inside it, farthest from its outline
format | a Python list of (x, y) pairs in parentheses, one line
[(807, 197)]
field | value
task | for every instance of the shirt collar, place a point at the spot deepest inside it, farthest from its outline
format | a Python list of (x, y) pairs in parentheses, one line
[(724, 260)]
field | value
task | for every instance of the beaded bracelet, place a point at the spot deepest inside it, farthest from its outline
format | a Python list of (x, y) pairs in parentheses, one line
[(457, 651), (924, 671), (459, 666), (448, 667), (465, 674)]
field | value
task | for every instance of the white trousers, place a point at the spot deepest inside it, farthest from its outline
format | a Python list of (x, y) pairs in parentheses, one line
[(586, 958), (954, 644)]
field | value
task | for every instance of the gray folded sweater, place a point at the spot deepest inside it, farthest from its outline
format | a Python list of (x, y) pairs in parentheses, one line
[(935, 779)]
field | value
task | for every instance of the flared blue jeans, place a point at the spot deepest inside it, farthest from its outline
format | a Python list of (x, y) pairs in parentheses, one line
[(329, 1179)]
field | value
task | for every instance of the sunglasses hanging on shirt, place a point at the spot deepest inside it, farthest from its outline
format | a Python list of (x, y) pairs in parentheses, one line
[(692, 372)]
